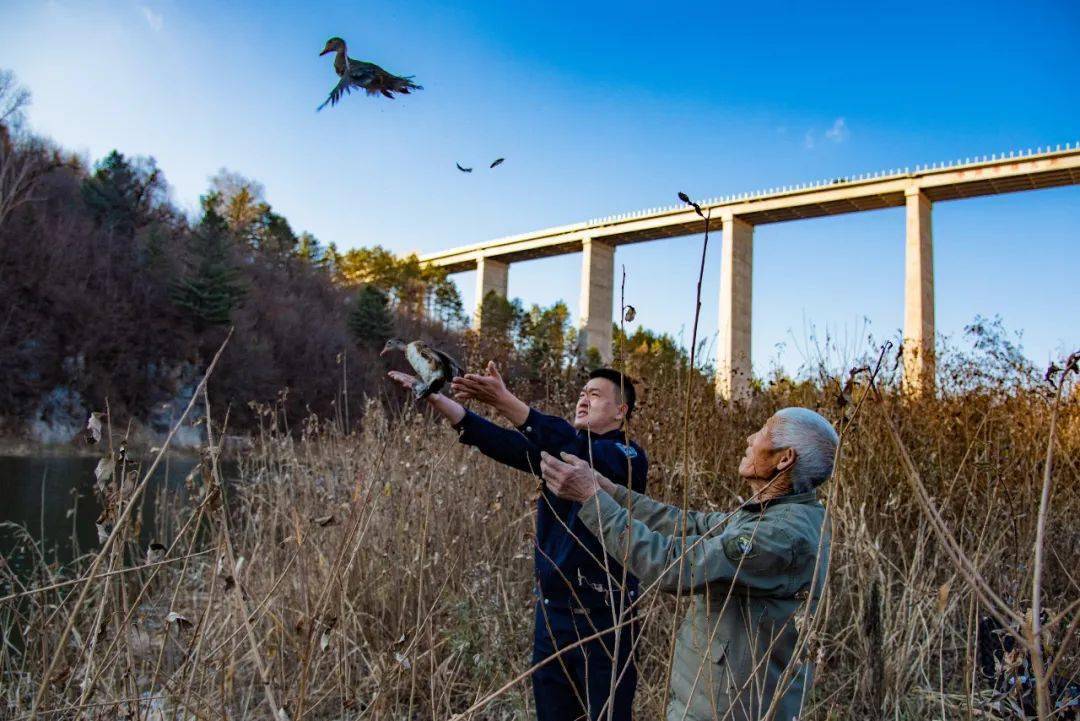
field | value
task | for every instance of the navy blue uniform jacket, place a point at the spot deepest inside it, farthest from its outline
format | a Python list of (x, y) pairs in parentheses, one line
[(563, 561)]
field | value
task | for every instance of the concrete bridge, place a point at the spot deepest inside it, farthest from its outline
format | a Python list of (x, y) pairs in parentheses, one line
[(916, 189)]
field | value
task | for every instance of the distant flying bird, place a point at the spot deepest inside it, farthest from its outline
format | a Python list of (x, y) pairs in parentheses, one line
[(498, 161), (361, 75), (435, 368), (464, 170)]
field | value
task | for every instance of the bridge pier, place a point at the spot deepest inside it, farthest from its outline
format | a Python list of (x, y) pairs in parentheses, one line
[(919, 361), (733, 371), (597, 292), (491, 275)]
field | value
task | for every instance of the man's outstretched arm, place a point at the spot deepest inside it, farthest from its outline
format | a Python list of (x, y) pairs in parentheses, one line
[(655, 515), (501, 444), (550, 433), (754, 554)]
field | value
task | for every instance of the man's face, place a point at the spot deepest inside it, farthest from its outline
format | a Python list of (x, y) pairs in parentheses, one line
[(598, 408), (760, 460)]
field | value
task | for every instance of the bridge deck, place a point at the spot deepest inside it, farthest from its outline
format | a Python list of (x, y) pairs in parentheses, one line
[(1024, 171)]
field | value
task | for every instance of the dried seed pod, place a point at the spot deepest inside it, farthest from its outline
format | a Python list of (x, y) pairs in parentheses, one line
[(104, 530), (155, 552)]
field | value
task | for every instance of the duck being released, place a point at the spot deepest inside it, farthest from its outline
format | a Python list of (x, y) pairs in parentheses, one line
[(359, 74), (435, 368)]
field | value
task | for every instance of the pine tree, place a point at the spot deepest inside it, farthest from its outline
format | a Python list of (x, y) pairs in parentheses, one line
[(308, 249), (211, 285), (370, 321), (447, 302), (122, 193)]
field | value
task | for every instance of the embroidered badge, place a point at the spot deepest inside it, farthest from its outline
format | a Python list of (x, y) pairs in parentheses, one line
[(628, 451), (739, 547)]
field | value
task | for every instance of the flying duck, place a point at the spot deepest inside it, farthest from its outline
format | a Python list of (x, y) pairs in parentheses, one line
[(434, 367), (359, 74)]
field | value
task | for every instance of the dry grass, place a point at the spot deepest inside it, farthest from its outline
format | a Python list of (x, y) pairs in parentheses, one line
[(388, 575)]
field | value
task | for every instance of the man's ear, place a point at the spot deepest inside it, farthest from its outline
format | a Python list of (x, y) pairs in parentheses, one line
[(786, 460), (620, 415)]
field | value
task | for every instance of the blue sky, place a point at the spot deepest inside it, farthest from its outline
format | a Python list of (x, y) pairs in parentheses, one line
[(600, 108)]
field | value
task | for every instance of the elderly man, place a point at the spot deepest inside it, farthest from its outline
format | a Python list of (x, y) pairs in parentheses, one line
[(579, 592), (750, 571)]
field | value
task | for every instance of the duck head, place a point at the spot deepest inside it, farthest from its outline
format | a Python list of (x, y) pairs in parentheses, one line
[(393, 344), (333, 45)]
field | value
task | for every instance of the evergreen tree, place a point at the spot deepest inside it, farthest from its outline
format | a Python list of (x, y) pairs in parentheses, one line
[(308, 249), (331, 261), (275, 236), (543, 337), (211, 285), (447, 302), (370, 321), (122, 193)]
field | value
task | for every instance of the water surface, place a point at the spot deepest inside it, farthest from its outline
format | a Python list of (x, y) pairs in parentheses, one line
[(53, 499)]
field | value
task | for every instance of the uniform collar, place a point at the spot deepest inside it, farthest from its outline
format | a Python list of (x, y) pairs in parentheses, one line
[(808, 497), (616, 435)]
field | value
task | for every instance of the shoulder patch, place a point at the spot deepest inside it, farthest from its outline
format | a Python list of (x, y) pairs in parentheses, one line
[(628, 450), (739, 547)]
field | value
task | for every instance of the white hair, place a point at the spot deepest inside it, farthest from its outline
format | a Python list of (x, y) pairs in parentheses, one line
[(814, 442)]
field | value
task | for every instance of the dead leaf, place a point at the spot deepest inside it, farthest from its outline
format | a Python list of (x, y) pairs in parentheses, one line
[(324, 521), (403, 660), (93, 428), (943, 597), (104, 470)]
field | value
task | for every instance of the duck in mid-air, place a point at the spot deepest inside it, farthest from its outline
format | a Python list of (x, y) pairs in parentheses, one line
[(435, 368), (361, 75)]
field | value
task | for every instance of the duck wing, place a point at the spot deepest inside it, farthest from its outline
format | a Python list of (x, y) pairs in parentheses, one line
[(450, 367), (364, 75), (374, 79), (344, 87)]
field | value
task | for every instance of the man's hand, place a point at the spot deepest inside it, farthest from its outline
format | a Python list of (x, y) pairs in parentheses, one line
[(448, 408), (571, 478), (404, 380), (490, 390)]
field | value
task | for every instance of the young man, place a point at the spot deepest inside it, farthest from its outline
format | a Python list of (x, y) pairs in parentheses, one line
[(576, 595)]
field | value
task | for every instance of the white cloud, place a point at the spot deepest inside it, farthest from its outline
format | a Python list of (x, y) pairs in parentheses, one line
[(155, 20), (838, 133)]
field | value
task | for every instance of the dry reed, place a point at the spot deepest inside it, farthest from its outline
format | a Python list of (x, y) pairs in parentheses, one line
[(388, 574)]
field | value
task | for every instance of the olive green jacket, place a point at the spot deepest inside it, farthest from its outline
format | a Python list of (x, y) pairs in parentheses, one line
[(749, 572)]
